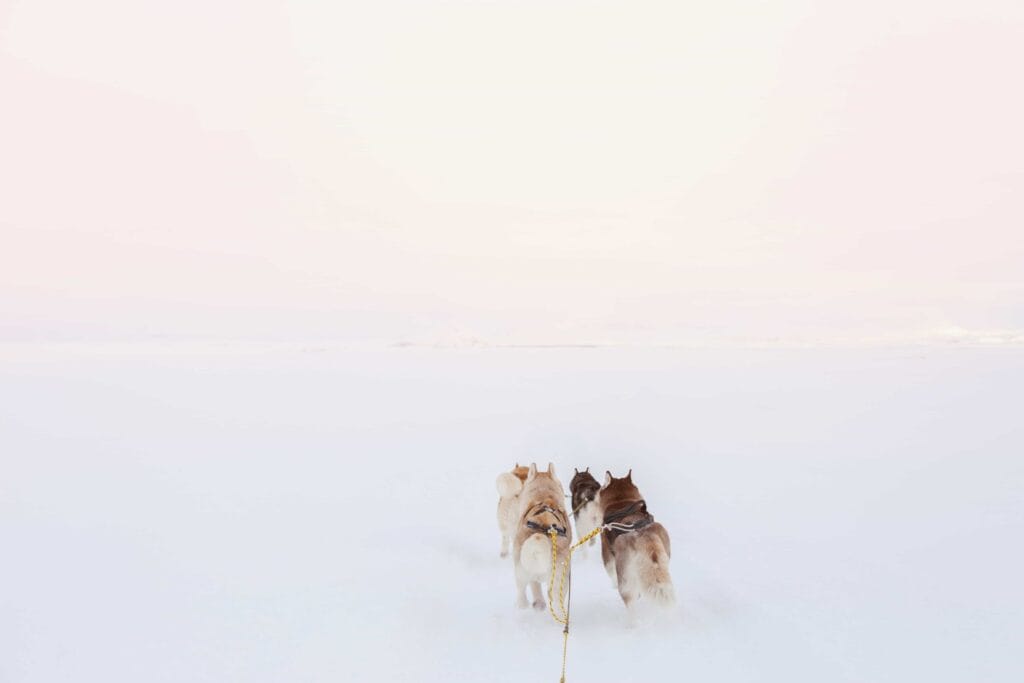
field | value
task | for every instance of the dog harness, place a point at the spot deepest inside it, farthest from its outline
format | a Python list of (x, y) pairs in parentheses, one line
[(560, 530), (614, 527)]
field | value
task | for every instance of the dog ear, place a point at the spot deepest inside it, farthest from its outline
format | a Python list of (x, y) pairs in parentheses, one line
[(575, 471), (607, 478), (533, 471), (517, 464), (551, 468), (629, 476)]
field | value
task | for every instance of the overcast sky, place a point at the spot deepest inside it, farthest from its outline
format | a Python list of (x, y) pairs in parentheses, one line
[(521, 171)]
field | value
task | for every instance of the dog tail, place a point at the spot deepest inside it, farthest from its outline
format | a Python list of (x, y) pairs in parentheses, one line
[(658, 581), (535, 557), (509, 485)]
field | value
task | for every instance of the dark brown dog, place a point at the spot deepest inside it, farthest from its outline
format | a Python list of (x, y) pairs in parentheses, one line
[(587, 515), (585, 511), (583, 488)]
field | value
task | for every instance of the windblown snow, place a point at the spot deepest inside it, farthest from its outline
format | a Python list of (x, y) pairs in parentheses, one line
[(284, 513)]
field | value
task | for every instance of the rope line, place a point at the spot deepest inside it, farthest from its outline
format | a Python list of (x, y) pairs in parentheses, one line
[(563, 604)]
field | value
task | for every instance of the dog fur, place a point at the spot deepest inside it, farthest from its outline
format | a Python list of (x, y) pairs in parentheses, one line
[(509, 484), (637, 561), (540, 502), (585, 510)]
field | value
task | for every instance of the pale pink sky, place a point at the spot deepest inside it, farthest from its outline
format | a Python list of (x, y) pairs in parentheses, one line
[(523, 171)]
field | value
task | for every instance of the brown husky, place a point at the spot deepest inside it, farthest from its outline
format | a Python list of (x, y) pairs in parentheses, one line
[(540, 510), (510, 484), (634, 547)]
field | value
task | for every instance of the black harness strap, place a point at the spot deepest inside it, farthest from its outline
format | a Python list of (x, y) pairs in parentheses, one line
[(560, 530), (546, 529), (616, 515), (618, 527)]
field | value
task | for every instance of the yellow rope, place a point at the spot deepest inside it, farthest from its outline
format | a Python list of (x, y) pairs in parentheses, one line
[(564, 618), (565, 644), (551, 584)]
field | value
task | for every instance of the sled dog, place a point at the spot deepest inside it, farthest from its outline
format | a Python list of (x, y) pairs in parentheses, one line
[(635, 549), (509, 485), (541, 509), (585, 509)]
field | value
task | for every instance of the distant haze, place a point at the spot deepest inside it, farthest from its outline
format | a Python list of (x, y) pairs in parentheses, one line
[(511, 172)]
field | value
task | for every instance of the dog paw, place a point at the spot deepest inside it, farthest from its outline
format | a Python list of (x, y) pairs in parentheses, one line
[(538, 605), (521, 603), (503, 553)]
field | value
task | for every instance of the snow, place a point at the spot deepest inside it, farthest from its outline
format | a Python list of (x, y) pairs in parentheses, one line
[(319, 513)]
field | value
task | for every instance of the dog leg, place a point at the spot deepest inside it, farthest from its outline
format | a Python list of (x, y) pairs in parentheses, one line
[(629, 591), (538, 597), (632, 611), (520, 592), (591, 520), (609, 561), (609, 566), (504, 546)]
